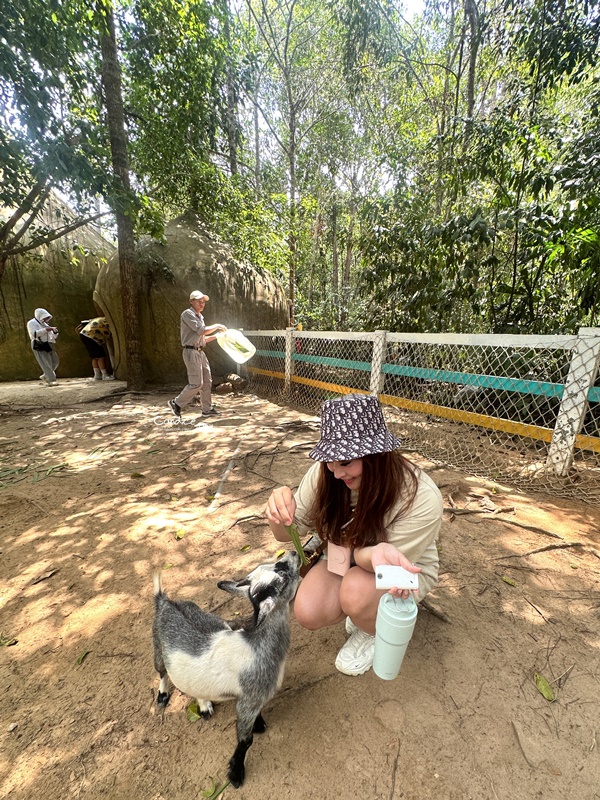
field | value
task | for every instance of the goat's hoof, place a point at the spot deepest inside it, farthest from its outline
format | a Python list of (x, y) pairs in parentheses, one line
[(260, 726), (206, 709), (236, 776), (162, 699)]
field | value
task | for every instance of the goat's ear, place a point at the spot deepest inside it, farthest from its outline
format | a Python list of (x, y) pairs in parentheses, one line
[(264, 609), (239, 588)]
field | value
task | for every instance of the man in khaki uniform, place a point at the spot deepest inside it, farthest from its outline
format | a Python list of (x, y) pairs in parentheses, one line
[(194, 337)]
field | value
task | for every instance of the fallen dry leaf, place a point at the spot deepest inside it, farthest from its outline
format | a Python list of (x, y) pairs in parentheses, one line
[(44, 577)]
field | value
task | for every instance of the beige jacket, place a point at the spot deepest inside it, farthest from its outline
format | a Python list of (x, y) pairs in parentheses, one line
[(414, 534)]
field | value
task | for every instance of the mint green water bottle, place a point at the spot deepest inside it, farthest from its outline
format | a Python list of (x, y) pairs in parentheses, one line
[(393, 628)]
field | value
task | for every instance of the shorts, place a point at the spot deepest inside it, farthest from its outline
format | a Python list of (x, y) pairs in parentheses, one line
[(94, 349)]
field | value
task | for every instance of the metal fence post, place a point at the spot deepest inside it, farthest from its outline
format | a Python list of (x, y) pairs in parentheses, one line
[(379, 352), (585, 360), (289, 364)]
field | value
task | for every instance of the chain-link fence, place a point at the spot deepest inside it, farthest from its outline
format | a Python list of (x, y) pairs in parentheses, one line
[(523, 409)]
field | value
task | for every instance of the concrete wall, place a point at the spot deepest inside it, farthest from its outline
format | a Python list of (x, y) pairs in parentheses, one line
[(61, 279)]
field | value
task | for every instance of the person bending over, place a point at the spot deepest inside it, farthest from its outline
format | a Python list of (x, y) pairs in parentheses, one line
[(95, 334)]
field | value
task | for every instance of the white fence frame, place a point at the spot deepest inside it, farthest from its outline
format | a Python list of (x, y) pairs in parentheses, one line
[(585, 362)]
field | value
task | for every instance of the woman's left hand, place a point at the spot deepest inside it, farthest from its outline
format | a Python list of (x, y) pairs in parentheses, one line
[(385, 553)]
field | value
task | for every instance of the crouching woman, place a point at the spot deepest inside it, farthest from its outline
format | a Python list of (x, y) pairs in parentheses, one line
[(370, 506)]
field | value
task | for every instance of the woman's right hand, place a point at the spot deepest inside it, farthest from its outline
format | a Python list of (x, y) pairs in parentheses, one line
[(281, 507)]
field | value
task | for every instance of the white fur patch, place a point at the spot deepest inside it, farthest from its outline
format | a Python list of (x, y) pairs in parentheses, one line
[(215, 674), (263, 575), (280, 676)]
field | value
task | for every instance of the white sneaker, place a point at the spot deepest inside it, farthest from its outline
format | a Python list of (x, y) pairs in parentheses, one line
[(108, 377), (350, 626), (356, 656)]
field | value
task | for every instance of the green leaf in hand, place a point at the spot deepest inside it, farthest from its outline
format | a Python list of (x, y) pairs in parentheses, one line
[(295, 537)]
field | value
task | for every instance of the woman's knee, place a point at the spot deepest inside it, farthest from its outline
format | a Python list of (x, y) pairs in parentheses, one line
[(306, 614), (314, 610), (308, 622), (356, 591)]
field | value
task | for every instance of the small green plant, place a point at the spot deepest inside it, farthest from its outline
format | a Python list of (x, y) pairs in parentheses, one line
[(295, 537), (215, 790)]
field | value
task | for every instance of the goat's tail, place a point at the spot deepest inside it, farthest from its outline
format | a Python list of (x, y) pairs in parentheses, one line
[(156, 577)]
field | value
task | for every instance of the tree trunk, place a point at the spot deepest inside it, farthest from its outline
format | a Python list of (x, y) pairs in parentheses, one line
[(472, 14), (111, 81), (3, 262), (232, 136), (335, 266), (449, 114), (316, 244), (31, 205), (347, 264), (335, 256), (231, 123), (349, 245), (292, 243), (257, 186), (255, 122)]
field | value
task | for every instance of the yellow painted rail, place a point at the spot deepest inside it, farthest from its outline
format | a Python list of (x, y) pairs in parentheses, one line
[(481, 420), (456, 415)]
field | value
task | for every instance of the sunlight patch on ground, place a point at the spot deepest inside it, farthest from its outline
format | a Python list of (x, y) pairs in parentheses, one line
[(95, 614)]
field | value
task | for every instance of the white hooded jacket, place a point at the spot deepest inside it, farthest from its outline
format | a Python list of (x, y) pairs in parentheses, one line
[(37, 329)]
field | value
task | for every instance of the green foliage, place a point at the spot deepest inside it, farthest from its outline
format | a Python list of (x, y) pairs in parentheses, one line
[(53, 134), (174, 63), (438, 175), (556, 39), (49, 101)]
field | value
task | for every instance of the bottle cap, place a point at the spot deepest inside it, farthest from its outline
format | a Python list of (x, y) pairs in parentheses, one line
[(398, 611)]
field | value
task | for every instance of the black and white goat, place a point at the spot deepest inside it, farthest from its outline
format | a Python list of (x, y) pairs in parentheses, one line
[(207, 659)]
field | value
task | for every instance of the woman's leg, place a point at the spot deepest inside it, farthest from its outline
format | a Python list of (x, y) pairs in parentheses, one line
[(317, 602), (359, 598), (45, 360)]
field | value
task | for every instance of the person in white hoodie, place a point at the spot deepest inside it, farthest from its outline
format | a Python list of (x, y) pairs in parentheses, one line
[(43, 338)]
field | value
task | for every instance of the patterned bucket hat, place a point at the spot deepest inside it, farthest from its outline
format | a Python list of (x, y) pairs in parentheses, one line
[(352, 427)]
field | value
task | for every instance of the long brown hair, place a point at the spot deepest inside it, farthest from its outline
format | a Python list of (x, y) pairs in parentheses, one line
[(386, 477)]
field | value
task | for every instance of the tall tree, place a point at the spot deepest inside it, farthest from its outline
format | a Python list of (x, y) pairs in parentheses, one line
[(302, 90), (123, 201)]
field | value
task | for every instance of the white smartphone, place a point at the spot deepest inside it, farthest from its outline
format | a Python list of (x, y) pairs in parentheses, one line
[(388, 576)]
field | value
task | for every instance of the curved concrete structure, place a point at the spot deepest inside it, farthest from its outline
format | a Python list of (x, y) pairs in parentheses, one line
[(240, 297), (59, 277)]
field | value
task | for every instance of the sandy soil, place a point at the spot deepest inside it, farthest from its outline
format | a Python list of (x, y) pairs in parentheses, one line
[(98, 486)]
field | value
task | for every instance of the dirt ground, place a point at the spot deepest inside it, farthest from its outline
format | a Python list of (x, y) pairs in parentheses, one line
[(99, 486)]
